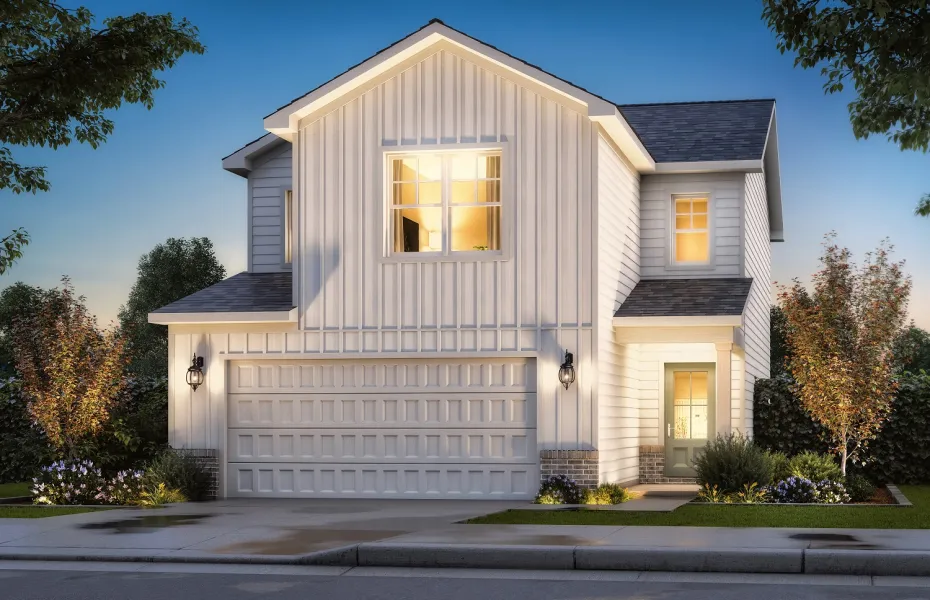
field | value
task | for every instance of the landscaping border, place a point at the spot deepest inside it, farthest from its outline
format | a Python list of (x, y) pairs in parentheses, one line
[(900, 501)]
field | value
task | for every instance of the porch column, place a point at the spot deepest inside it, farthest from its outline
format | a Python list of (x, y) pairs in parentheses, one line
[(724, 384)]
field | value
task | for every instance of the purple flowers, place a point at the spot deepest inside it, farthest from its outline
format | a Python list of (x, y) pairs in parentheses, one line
[(800, 490), (80, 482)]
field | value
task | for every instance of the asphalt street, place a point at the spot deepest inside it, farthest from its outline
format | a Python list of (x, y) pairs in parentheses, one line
[(92, 581)]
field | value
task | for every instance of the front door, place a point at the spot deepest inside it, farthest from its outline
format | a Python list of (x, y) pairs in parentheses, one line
[(689, 415)]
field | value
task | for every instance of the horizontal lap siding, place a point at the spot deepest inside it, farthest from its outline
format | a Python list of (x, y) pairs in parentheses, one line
[(759, 267), (726, 190), (618, 273), (270, 174), (540, 299)]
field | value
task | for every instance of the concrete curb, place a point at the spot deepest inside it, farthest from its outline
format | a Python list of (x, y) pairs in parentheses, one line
[(914, 563)]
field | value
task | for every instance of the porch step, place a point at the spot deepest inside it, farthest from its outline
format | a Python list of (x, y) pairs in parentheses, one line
[(667, 490)]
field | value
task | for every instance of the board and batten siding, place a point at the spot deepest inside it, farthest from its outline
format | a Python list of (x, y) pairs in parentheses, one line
[(270, 175), (539, 298), (758, 260), (726, 193), (618, 273)]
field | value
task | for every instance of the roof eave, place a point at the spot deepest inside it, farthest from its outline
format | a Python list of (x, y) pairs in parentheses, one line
[(772, 169), (240, 161), (188, 318), (711, 166), (680, 321)]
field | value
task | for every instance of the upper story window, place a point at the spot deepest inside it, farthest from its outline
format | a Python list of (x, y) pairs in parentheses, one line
[(446, 202), (691, 239), (288, 227)]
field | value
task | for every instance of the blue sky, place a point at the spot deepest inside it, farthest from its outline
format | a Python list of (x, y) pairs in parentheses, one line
[(159, 174)]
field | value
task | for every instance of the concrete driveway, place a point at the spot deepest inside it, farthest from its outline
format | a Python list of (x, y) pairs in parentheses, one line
[(236, 527)]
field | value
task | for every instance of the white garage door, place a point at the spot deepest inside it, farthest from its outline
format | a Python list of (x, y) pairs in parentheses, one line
[(382, 428)]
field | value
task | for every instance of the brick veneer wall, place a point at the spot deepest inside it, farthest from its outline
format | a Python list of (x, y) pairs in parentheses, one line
[(652, 466), (209, 462), (580, 465)]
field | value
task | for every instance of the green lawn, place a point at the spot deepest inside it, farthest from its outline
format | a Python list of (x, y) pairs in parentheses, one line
[(12, 490), (39, 512), (877, 517)]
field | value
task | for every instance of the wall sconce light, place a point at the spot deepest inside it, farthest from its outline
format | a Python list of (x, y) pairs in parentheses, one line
[(567, 370), (195, 372)]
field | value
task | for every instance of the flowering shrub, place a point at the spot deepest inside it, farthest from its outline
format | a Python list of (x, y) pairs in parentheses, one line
[(160, 495), (751, 493), (711, 494), (561, 489), (68, 482), (831, 492), (125, 488), (794, 490)]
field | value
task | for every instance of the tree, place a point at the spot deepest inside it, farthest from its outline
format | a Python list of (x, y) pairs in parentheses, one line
[(780, 351), (170, 271), (880, 46), (912, 350), (841, 338), (59, 75), (16, 302), (72, 373)]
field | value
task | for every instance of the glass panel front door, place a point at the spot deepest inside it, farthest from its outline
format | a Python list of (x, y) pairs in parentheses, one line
[(689, 415)]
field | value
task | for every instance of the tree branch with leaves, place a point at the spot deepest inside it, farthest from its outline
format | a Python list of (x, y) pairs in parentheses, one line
[(60, 74), (842, 337)]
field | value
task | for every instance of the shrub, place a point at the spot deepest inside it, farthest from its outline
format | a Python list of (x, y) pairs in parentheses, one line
[(23, 446), (546, 498), (780, 466), (69, 482), (813, 466), (780, 423), (860, 489), (732, 461), (595, 496), (125, 488), (180, 471), (711, 494), (901, 452), (831, 492), (606, 493), (560, 488), (160, 495), (794, 490)]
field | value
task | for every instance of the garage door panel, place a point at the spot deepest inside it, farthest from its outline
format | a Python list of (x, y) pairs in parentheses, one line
[(383, 375), (382, 481), (389, 446), (400, 410)]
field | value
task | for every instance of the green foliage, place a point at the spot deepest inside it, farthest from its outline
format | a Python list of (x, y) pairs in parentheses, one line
[(860, 489), (595, 496), (11, 248), (923, 207), (780, 422), (606, 493), (712, 494), (21, 301), (751, 493), (781, 466), (22, 444), (879, 46), (178, 470), (170, 271), (732, 461), (901, 452), (68, 482), (813, 466), (159, 495), (780, 350), (912, 350), (546, 498), (560, 488)]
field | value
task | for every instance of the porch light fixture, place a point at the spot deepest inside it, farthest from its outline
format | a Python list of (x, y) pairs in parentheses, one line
[(195, 372), (567, 370)]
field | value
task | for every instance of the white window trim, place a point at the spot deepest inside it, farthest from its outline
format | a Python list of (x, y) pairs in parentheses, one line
[(507, 190), (671, 263), (287, 236)]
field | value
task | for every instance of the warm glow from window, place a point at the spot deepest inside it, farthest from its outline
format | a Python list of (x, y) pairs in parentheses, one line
[(446, 202), (692, 239), (288, 226)]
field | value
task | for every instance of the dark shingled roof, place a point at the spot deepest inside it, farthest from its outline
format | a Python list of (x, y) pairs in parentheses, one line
[(702, 131), (686, 298), (245, 292)]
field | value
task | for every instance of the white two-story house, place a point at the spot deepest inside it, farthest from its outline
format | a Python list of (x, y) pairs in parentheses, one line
[(429, 233)]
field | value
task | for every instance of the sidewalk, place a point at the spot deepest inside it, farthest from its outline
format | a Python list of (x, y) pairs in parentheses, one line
[(429, 534)]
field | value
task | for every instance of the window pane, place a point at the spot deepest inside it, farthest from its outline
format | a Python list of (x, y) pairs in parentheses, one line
[(489, 191), (412, 228), (682, 207), (463, 192), (463, 166), (682, 422), (699, 206), (683, 222), (430, 193), (698, 422), (430, 167), (691, 247), (405, 193), (682, 383), (475, 228), (700, 221), (405, 169), (699, 385), (489, 167)]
